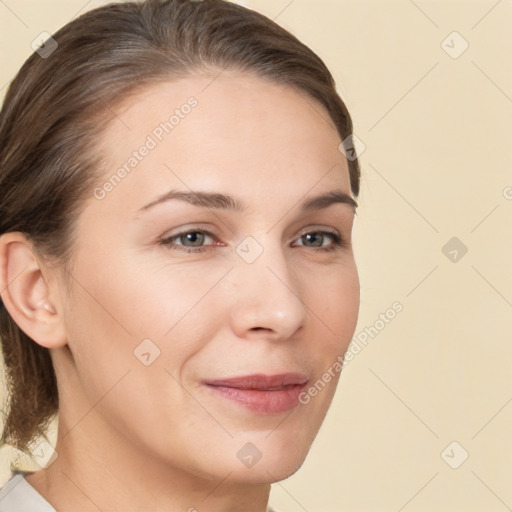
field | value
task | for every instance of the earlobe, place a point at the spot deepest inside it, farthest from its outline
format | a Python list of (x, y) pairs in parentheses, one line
[(26, 294)]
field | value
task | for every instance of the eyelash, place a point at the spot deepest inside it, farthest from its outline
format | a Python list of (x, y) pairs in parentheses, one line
[(338, 241)]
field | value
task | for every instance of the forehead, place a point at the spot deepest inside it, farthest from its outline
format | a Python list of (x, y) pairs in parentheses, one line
[(217, 130)]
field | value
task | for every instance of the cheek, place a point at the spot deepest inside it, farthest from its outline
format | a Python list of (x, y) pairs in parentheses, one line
[(334, 310), (337, 298), (143, 306), (124, 360)]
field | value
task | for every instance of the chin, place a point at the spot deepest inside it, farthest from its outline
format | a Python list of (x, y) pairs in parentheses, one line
[(266, 472), (267, 458)]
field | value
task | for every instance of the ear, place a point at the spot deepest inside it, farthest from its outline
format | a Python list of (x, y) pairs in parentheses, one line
[(26, 294)]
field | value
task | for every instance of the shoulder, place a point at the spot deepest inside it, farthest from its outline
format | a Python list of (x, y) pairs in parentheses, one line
[(17, 494)]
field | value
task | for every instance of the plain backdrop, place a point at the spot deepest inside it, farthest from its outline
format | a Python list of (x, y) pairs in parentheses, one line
[(422, 417)]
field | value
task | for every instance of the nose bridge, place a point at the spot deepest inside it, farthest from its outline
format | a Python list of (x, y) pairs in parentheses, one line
[(268, 294)]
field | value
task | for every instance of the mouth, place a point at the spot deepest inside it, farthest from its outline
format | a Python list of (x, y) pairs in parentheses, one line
[(265, 394)]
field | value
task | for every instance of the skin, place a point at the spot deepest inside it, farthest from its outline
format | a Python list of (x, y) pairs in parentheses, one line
[(130, 435)]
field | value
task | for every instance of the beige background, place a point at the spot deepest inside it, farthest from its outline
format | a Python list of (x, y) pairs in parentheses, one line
[(437, 133)]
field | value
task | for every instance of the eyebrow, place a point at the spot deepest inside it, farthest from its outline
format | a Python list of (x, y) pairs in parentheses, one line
[(223, 201)]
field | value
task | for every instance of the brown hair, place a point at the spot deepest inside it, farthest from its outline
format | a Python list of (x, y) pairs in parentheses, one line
[(56, 105)]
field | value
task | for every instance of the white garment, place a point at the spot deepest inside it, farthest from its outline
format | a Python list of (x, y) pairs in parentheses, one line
[(17, 495)]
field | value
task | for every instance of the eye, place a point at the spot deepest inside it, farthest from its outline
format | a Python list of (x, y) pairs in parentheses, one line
[(195, 240), (317, 239), (189, 241)]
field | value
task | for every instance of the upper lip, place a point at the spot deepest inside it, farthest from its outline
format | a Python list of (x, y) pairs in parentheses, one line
[(261, 381)]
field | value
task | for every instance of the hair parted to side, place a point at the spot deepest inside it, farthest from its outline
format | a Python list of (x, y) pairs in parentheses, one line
[(55, 108)]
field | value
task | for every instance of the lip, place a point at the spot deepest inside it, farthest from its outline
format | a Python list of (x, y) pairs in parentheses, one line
[(266, 394)]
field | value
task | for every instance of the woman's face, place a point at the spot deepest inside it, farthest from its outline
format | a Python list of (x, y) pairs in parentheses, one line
[(172, 301)]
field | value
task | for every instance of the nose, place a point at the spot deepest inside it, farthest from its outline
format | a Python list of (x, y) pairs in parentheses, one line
[(266, 297)]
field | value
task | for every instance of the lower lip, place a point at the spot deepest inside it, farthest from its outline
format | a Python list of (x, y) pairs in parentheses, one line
[(266, 402)]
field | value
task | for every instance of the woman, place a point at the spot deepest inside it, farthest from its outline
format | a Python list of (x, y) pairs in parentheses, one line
[(177, 276)]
